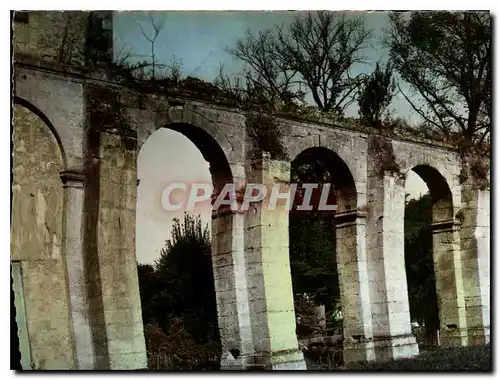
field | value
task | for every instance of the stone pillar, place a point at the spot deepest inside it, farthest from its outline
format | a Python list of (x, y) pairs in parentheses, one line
[(449, 283), (392, 333), (117, 266), (73, 253), (475, 250), (268, 273), (354, 287), (228, 262)]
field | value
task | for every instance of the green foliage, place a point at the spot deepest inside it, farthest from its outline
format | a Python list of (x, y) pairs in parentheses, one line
[(264, 131), (451, 359), (181, 284), (377, 91), (446, 58), (419, 262), (312, 259), (312, 241), (382, 151)]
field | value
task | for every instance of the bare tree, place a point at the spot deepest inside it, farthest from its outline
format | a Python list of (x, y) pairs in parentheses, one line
[(446, 59), (315, 52), (157, 27), (230, 85), (377, 91)]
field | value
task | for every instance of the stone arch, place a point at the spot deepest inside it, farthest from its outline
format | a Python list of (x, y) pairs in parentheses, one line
[(347, 226), (37, 237), (190, 123), (442, 201), (342, 178), (446, 256), (211, 150), (220, 170), (26, 104)]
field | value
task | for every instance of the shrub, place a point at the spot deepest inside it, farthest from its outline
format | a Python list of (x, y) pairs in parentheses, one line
[(178, 351), (307, 322)]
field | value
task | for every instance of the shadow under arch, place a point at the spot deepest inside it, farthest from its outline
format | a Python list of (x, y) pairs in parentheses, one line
[(340, 176), (211, 151), (24, 103)]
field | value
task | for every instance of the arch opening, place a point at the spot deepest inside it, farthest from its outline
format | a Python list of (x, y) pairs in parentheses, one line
[(439, 192), (180, 283), (313, 248), (428, 205)]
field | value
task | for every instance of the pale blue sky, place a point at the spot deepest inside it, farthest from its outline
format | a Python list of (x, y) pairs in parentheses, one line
[(198, 40)]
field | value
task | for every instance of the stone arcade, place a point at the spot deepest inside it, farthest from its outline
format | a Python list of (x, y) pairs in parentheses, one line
[(73, 218)]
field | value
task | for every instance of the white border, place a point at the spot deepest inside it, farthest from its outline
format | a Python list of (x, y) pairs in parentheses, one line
[(252, 5), (183, 5)]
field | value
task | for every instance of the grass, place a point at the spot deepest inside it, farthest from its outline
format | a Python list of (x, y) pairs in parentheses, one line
[(442, 359)]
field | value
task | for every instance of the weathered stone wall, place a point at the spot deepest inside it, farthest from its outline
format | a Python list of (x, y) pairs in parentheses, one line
[(65, 39), (37, 240), (354, 285), (59, 99), (475, 255), (117, 265), (56, 37)]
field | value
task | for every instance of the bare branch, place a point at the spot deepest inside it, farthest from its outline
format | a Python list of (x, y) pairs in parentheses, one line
[(316, 51)]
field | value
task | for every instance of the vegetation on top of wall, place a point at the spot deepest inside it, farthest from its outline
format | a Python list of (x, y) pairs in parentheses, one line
[(385, 160), (263, 129), (377, 91), (277, 73), (107, 113), (475, 164)]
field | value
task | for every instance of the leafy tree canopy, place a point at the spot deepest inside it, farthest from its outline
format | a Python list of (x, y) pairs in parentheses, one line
[(181, 284), (446, 58)]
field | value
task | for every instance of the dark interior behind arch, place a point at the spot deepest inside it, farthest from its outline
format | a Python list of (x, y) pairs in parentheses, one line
[(341, 177)]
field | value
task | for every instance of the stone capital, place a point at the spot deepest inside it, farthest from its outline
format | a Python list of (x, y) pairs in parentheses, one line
[(348, 218), (72, 178), (447, 225)]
